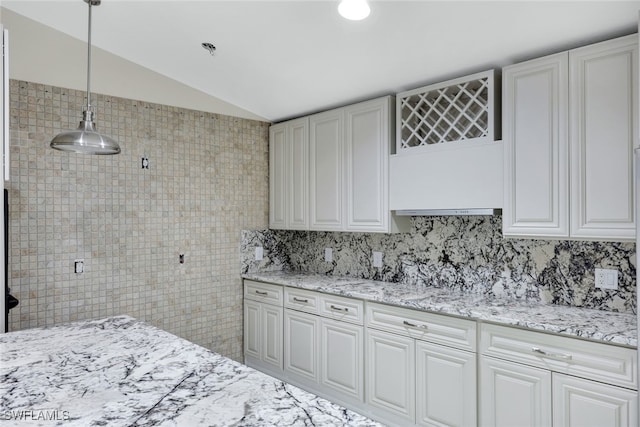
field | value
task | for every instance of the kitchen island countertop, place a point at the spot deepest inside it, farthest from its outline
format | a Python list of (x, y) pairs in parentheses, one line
[(597, 325), (123, 372)]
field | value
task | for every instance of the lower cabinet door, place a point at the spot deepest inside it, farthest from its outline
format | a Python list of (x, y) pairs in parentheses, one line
[(582, 403), (445, 386), (301, 345), (271, 319), (342, 356), (391, 373), (512, 394), (251, 329)]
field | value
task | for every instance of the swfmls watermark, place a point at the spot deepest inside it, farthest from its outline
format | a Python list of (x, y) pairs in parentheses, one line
[(35, 415)]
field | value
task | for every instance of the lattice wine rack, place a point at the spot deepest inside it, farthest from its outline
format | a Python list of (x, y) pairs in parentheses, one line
[(455, 110)]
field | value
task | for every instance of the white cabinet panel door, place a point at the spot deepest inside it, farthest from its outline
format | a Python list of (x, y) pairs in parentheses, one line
[(582, 403), (298, 172), (536, 147), (514, 395), (271, 326), (301, 345), (445, 386), (367, 148), (342, 357), (278, 165), (603, 108), (391, 373), (326, 170), (252, 329)]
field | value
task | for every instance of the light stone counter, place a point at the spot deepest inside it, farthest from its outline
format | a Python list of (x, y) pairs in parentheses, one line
[(598, 325), (122, 372)]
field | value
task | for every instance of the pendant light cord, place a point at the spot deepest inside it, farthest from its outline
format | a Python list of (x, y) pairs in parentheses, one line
[(89, 62)]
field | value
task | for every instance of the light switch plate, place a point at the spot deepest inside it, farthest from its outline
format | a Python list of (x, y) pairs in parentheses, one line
[(328, 254), (606, 278), (259, 253), (377, 259)]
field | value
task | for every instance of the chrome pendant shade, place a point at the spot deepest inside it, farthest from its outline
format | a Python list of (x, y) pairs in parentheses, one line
[(86, 139)]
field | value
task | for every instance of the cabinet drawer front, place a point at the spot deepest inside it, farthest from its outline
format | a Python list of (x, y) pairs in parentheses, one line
[(302, 300), (340, 308), (263, 292), (598, 361), (436, 328)]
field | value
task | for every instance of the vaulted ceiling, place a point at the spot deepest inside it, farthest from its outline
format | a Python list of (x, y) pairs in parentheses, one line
[(282, 59)]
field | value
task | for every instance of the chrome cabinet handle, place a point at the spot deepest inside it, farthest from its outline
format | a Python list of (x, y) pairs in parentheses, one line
[(300, 299), (333, 307), (413, 325), (262, 293), (555, 355)]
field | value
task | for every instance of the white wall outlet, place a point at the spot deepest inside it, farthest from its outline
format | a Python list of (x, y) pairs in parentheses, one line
[(606, 278), (377, 259), (259, 253), (328, 254)]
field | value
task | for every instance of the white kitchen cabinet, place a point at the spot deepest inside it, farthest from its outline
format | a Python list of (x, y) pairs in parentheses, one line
[(512, 394), (289, 175), (535, 379), (263, 327), (324, 345), (330, 171), (445, 386), (603, 115), (421, 367), (368, 139), (582, 403), (569, 126), (342, 355), (391, 373), (536, 148), (301, 345), (327, 170)]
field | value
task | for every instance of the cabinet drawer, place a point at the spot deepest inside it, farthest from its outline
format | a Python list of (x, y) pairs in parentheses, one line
[(341, 308), (302, 300), (436, 328), (598, 361), (263, 292)]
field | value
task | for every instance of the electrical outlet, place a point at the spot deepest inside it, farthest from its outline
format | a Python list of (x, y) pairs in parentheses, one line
[(328, 254), (377, 259), (78, 266), (259, 253), (606, 278)]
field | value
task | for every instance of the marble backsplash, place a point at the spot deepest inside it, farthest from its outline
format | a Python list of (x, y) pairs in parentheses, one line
[(462, 253)]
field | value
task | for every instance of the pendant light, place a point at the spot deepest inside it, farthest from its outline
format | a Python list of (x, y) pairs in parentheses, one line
[(86, 139), (354, 10)]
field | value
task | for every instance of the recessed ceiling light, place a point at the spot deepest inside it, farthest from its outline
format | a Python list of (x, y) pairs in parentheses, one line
[(209, 47), (354, 10)]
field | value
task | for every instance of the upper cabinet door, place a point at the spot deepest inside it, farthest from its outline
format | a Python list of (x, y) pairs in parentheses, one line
[(298, 174), (326, 170), (603, 105), (278, 176), (367, 149), (535, 114)]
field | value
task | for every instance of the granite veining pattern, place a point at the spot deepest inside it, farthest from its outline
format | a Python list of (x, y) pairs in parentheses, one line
[(122, 372), (460, 253), (598, 325)]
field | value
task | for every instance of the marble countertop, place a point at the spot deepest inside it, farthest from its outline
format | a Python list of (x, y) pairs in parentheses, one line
[(598, 325), (122, 372)]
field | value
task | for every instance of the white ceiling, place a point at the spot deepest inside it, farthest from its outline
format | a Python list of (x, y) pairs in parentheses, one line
[(282, 59)]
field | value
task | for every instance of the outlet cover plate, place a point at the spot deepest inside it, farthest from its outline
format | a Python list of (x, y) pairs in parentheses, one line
[(328, 254), (259, 253), (606, 278), (377, 259)]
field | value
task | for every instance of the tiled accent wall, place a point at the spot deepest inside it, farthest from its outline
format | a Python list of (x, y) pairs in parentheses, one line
[(207, 180), (463, 253)]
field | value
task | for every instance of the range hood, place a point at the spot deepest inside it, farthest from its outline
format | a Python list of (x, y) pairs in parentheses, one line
[(447, 212)]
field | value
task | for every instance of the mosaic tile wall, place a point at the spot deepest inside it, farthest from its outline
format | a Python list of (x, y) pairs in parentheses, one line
[(463, 253), (207, 180)]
